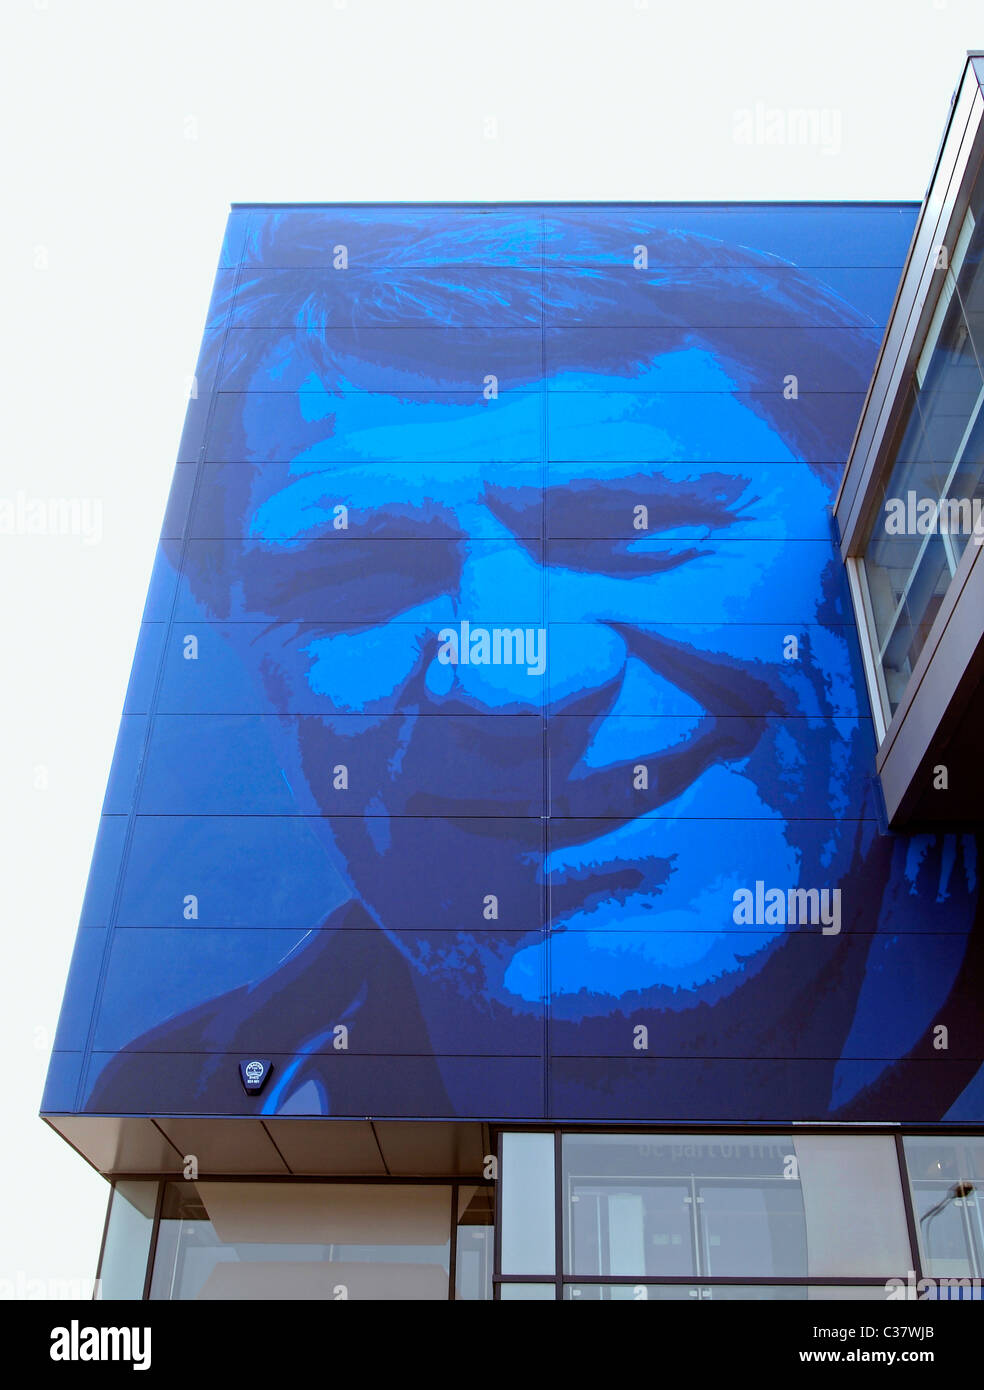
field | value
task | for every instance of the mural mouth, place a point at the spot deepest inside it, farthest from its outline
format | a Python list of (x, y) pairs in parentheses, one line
[(580, 890)]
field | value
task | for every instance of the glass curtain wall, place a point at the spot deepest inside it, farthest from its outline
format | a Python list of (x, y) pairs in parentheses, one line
[(705, 1217), (931, 502), (582, 1215), (313, 1240)]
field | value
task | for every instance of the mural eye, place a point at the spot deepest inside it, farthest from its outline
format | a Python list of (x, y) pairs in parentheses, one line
[(349, 582), (646, 523), (618, 558)]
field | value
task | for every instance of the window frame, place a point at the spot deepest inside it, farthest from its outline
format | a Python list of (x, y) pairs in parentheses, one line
[(162, 1179), (700, 1285)]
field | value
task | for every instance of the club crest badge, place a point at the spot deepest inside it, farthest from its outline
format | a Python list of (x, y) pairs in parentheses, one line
[(254, 1075)]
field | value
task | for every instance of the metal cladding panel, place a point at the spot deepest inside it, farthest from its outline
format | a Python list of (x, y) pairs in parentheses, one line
[(497, 717)]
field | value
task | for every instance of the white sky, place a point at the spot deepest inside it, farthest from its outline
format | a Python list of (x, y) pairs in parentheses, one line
[(128, 128)]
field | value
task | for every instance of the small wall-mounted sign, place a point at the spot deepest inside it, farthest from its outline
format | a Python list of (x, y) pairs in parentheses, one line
[(253, 1075)]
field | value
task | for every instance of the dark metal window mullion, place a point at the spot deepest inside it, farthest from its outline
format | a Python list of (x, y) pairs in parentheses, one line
[(497, 1226), (453, 1260), (910, 1212), (102, 1244), (152, 1252)]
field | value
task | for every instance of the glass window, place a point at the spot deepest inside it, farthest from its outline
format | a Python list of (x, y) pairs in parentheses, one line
[(473, 1249), (931, 505), (855, 1212), (254, 1240), (724, 1293), (536, 1292), (123, 1270), (631, 1293), (528, 1201), (946, 1178), (769, 1206)]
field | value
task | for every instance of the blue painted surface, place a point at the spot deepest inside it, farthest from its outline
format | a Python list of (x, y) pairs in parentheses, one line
[(494, 872)]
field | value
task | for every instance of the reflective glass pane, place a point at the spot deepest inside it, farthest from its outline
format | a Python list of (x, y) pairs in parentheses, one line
[(724, 1293), (131, 1222), (631, 1293), (964, 504), (946, 1178), (855, 1213), (752, 1226), (473, 1251), (224, 1240), (931, 504), (528, 1199), (732, 1207), (539, 1293)]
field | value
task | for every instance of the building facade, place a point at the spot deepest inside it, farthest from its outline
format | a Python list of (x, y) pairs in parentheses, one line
[(526, 869)]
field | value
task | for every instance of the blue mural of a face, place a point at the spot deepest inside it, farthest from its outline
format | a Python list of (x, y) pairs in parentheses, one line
[(528, 566)]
